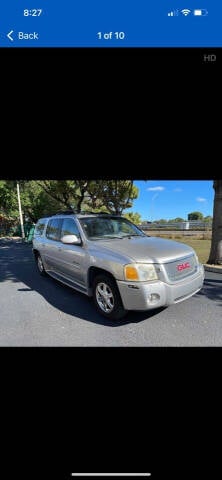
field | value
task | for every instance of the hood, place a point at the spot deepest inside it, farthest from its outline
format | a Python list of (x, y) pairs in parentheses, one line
[(145, 249)]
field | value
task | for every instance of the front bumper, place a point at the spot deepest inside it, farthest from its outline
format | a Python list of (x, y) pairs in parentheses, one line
[(148, 295)]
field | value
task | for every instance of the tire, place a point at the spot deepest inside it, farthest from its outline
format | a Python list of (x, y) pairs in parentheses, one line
[(107, 298), (39, 264)]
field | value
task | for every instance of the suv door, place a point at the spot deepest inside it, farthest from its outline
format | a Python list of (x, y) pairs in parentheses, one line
[(52, 245), (72, 256)]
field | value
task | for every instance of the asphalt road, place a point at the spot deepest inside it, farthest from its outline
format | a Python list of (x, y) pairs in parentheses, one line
[(38, 311)]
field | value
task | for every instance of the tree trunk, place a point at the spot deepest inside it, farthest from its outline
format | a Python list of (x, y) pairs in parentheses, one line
[(216, 243), (79, 201), (83, 185)]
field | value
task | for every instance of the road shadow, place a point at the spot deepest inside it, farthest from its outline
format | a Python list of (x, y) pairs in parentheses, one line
[(17, 265), (212, 289)]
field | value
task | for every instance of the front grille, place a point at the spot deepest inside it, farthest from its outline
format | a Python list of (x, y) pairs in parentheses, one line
[(181, 268)]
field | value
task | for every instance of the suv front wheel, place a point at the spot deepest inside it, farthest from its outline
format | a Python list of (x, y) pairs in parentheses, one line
[(107, 298)]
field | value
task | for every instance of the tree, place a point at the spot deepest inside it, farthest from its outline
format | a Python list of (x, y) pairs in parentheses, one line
[(195, 216), (94, 196), (177, 219), (216, 242), (46, 197), (8, 198), (35, 201), (69, 193), (208, 219), (113, 195), (162, 220), (134, 217)]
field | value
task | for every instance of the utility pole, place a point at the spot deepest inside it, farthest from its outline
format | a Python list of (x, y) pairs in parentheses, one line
[(20, 212)]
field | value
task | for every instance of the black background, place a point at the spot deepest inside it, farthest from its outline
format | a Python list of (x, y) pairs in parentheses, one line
[(132, 409), (150, 107), (135, 114)]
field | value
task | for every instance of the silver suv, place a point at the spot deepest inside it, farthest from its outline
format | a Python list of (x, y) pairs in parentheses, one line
[(109, 258)]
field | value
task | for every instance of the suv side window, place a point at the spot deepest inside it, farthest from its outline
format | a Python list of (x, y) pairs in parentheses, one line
[(53, 229), (39, 228), (69, 227)]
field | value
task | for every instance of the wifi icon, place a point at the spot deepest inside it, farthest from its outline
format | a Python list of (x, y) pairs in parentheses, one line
[(185, 11)]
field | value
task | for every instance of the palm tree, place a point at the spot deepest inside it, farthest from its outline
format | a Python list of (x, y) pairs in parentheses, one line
[(216, 243)]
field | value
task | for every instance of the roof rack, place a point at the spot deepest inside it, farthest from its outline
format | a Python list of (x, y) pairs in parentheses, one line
[(99, 213), (85, 212), (66, 212)]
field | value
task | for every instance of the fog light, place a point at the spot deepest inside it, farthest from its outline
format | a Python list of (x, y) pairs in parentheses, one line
[(154, 297)]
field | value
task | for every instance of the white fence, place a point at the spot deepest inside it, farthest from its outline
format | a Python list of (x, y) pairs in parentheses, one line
[(188, 225)]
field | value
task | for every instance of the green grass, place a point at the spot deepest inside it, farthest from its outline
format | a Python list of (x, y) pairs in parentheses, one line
[(201, 246)]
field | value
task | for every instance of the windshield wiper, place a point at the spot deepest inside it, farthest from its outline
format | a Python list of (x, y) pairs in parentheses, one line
[(107, 237), (112, 236), (133, 235)]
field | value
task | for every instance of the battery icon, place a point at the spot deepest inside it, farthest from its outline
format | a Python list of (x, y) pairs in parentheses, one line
[(200, 12)]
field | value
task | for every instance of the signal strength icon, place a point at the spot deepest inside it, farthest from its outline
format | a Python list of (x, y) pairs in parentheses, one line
[(185, 11), (173, 13)]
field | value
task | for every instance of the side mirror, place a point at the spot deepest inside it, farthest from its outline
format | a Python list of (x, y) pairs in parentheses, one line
[(71, 239)]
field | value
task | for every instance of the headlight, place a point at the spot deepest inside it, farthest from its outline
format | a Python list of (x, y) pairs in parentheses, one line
[(140, 272)]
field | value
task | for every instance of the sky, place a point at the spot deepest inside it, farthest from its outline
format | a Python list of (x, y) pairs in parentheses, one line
[(168, 199)]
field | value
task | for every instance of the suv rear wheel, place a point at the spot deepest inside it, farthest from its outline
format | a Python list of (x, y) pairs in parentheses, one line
[(40, 265), (107, 298)]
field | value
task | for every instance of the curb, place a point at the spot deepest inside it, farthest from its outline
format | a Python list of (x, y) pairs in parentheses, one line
[(209, 268)]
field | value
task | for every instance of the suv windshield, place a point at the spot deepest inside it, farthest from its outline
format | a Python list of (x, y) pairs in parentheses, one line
[(109, 227)]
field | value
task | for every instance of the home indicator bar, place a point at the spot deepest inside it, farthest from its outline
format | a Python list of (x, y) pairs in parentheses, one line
[(111, 474)]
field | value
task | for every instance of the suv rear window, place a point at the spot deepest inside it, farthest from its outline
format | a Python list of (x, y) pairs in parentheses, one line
[(39, 228), (53, 229)]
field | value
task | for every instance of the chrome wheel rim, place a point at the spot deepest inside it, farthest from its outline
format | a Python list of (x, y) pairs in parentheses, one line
[(104, 297), (40, 264)]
